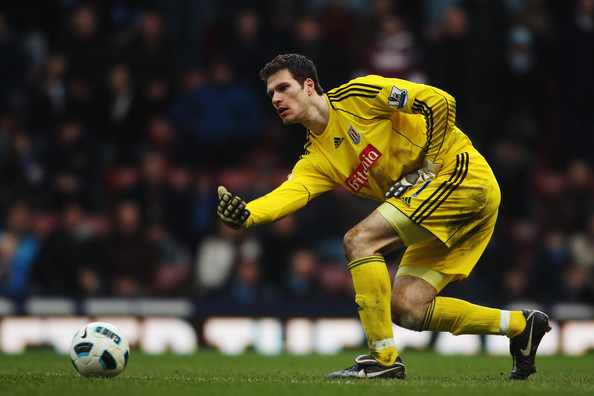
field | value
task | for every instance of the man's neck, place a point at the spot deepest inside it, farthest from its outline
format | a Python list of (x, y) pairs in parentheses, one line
[(318, 115)]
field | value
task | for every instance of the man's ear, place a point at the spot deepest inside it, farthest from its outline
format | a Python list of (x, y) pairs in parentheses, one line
[(310, 85)]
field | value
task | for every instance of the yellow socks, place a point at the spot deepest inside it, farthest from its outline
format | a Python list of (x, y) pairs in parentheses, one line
[(373, 290), (462, 317), (517, 323)]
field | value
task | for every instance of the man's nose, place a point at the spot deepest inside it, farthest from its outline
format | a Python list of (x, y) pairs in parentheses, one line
[(276, 98)]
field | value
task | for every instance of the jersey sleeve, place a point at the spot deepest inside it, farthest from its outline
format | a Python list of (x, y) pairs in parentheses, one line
[(437, 106), (302, 185)]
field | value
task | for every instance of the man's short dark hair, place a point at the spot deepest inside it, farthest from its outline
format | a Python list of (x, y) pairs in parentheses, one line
[(300, 67)]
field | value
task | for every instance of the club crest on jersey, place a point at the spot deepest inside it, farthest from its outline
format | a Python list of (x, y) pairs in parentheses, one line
[(355, 136), (360, 175), (398, 97)]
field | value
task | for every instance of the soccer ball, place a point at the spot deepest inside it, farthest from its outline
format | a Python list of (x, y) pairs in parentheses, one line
[(99, 350)]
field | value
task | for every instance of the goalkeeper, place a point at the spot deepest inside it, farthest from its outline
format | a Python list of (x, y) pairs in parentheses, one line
[(396, 142)]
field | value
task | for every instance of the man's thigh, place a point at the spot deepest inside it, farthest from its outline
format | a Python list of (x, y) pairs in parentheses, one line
[(457, 203), (459, 207), (457, 260), (372, 235)]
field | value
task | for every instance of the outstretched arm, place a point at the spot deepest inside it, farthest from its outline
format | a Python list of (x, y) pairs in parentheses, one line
[(304, 184), (232, 209)]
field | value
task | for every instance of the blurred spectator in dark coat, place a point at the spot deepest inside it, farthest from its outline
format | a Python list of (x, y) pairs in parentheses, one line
[(340, 26), (539, 18), (556, 276), (162, 137), (570, 207), (35, 24), (82, 101), (248, 47), (153, 60), (551, 263), (278, 245), (221, 116), (155, 196), (130, 258), (527, 115), (49, 99), (22, 172), (467, 58), (69, 262), (369, 26), (333, 66), (189, 23), (576, 65), (511, 163), (394, 52), (18, 249), (173, 261), (249, 286), (87, 48), (447, 53), (121, 118), (300, 280), (484, 61), (203, 202), (74, 166), (12, 66)]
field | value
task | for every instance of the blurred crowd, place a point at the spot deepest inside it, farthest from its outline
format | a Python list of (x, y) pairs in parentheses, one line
[(119, 118)]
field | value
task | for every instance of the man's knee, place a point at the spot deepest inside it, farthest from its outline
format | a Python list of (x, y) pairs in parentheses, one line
[(373, 235), (410, 299), (351, 241), (408, 313), (349, 238)]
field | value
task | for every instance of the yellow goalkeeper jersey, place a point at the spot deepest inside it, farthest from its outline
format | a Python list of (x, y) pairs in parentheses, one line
[(379, 129)]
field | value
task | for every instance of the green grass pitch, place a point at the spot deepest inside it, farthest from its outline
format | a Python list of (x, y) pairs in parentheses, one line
[(207, 372)]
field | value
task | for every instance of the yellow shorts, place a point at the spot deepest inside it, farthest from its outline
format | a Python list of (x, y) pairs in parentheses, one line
[(434, 278), (459, 207)]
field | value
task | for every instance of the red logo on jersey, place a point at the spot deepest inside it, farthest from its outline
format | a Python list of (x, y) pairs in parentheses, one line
[(360, 175)]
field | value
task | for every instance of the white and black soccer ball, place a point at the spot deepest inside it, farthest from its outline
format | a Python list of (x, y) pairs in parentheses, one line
[(99, 350)]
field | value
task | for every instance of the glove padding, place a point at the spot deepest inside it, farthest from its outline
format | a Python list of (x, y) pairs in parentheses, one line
[(427, 172), (231, 209)]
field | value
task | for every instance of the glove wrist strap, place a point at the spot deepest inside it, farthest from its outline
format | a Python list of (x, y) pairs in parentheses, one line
[(431, 166)]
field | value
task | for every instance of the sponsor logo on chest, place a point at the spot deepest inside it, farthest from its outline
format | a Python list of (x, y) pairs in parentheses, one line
[(360, 175)]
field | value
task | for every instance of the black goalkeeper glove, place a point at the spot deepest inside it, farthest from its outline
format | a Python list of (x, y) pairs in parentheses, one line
[(231, 209), (427, 172)]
